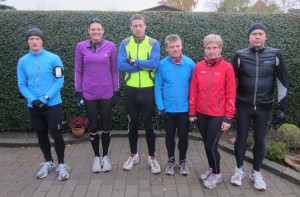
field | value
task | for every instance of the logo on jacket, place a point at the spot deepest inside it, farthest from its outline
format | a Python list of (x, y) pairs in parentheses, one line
[(217, 73), (203, 72)]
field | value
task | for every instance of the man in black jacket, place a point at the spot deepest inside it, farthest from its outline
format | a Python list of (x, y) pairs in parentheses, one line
[(256, 69)]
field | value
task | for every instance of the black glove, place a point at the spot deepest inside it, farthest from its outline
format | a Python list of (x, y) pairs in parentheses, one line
[(162, 114), (115, 99), (79, 100), (278, 117), (37, 104)]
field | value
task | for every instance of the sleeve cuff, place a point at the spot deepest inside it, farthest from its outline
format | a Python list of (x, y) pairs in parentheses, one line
[(42, 98), (227, 120)]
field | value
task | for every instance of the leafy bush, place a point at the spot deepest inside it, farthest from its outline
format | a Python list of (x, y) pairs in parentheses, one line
[(289, 134), (64, 29), (276, 151)]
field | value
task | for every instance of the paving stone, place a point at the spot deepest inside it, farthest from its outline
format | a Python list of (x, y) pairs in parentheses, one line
[(131, 190), (18, 167)]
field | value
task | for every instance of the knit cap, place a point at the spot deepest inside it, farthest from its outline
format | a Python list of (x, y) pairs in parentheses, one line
[(255, 26), (34, 32)]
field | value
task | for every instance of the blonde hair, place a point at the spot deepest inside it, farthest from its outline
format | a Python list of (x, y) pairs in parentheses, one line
[(214, 39)]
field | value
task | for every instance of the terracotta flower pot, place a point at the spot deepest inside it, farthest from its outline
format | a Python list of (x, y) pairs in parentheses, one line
[(78, 132)]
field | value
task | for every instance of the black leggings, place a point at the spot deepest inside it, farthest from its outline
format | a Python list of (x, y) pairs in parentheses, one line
[(210, 129), (49, 120), (98, 108), (95, 110), (140, 100), (261, 121), (181, 122)]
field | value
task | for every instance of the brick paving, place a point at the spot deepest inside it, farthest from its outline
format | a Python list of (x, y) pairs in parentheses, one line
[(19, 165)]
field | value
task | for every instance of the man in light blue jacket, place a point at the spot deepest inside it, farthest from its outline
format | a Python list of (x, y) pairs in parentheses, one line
[(172, 86), (40, 78)]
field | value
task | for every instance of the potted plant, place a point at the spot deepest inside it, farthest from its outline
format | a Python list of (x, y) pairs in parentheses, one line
[(78, 125)]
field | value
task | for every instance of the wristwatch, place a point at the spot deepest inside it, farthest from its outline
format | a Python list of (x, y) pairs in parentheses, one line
[(46, 97), (132, 61)]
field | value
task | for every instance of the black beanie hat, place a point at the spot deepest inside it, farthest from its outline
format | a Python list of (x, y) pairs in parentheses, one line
[(35, 32), (255, 26)]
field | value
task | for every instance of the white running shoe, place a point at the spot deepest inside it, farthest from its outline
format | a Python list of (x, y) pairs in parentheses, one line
[(45, 169), (205, 174), (106, 165), (170, 168), (183, 169), (238, 176), (63, 172), (212, 181), (132, 160), (155, 167), (96, 164), (257, 178)]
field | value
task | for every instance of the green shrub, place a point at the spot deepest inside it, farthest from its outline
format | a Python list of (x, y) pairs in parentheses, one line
[(276, 151), (290, 135), (64, 29)]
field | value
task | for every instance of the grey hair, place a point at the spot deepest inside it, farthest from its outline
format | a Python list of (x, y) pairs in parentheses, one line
[(172, 38)]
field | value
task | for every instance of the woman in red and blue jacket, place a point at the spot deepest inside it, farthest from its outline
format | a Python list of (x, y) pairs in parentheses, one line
[(212, 103)]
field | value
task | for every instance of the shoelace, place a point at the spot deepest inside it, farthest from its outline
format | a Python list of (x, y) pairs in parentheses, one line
[(62, 168), (106, 160), (212, 177), (239, 172), (170, 164), (154, 163), (182, 165), (46, 166), (257, 177)]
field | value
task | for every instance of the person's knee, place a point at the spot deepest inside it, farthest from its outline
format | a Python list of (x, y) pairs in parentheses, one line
[(57, 136), (259, 143), (183, 141), (106, 134), (208, 148)]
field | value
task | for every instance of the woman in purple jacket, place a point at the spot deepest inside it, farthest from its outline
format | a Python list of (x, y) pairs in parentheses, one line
[(97, 86)]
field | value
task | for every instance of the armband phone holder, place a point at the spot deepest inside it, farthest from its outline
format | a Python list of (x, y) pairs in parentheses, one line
[(58, 72)]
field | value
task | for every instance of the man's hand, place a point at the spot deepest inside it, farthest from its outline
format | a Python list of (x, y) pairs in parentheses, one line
[(278, 117), (162, 114), (37, 104)]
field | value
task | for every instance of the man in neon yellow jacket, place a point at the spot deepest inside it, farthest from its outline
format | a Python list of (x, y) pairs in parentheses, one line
[(138, 58)]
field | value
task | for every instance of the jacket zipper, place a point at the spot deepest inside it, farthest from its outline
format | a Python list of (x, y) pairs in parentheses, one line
[(137, 56), (176, 79), (37, 76), (207, 89), (256, 81)]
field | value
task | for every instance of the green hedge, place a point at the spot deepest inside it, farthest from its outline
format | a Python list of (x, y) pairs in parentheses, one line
[(64, 29)]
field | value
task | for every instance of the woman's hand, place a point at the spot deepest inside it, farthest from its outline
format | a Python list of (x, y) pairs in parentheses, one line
[(225, 126), (193, 118)]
